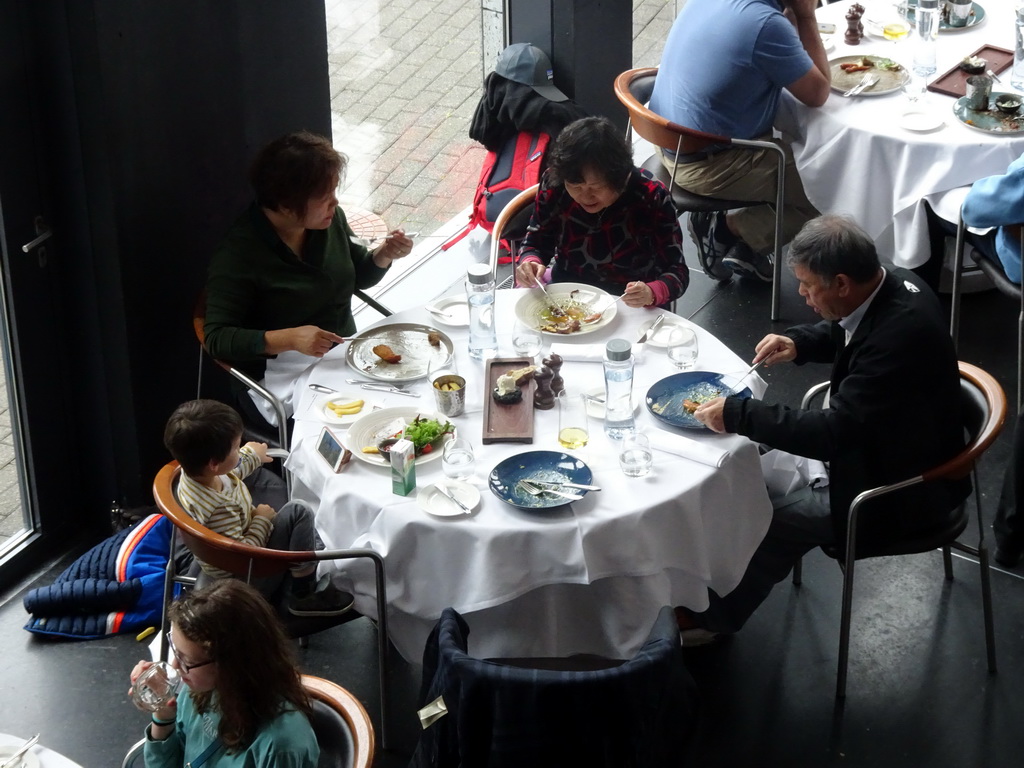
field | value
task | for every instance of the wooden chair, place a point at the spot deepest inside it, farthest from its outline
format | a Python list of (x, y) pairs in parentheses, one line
[(633, 88), (248, 562), (993, 270), (341, 725), (511, 225), (984, 405)]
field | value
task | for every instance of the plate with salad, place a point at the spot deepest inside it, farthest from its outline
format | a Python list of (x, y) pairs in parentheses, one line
[(375, 430), (848, 71)]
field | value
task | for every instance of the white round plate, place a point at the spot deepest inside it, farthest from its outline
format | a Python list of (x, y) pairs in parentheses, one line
[(530, 304), (28, 760), (596, 410), (366, 430), (451, 311), (660, 337), (433, 502), (345, 397), (921, 121)]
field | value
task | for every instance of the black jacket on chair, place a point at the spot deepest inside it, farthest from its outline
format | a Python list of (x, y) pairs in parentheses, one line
[(639, 713), (894, 412)]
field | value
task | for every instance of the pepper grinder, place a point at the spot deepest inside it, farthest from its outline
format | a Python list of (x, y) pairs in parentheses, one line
[(543, 398), (855, 29), (554, 363)]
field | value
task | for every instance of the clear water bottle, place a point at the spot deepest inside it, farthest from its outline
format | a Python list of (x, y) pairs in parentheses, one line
[(1017, 75), (926, 24), (618, 389), (483, 339)]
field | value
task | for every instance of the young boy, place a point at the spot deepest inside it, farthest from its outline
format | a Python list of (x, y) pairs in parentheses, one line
[(205, 437)]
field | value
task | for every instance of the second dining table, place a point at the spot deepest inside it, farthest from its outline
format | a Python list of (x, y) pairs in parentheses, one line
[(877, 157), (588, 576)]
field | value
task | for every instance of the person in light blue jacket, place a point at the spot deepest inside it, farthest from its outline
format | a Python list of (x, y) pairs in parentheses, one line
[(244, 706), (998, 201)]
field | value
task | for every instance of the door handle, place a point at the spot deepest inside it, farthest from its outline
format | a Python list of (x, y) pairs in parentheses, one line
[(43, 237)]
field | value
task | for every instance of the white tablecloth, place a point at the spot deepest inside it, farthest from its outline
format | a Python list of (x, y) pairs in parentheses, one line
[(47, 757), (854, 157), (587, 578)]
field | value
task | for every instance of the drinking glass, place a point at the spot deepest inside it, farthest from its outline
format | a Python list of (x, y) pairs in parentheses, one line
[(682, 348), (458, 459), (635, 457), (156, 686), (441, 363), (573, 430), (526, 340)]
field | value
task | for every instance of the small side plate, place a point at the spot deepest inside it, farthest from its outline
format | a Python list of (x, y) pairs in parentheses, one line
[(28, 760), (331, 417), (452, 311), (433, 502), (921, 121)]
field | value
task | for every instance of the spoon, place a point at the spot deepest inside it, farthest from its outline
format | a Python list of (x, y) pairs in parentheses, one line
[(596, 316), (15, 759), (993, 75), (322, 388)]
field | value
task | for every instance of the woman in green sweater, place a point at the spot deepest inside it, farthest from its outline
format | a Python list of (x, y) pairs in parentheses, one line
[(245, 705), (284, 275)]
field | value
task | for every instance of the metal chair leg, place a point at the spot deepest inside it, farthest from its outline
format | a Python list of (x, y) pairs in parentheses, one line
[(798, 573), (986, 603), (947, 563)]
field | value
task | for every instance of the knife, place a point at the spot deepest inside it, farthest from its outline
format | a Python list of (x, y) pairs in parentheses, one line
[(868, 81), (15, 759), (389, 388), (449, 495), (651, 330), (580, 486)]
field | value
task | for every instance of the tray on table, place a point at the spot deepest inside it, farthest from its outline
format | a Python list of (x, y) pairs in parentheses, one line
[(954, 82), (507, 423)]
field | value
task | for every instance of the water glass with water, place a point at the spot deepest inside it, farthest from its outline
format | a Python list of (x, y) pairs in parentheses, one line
[(156, 686), (458, 460), (526, 340), (1017, 74), (635, 456), (682, 348), (926, 24)]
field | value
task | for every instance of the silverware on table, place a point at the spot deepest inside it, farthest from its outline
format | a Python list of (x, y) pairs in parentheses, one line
[(15, 759), (993, 75), (388, 388), (866, 82), (535, 490), (566, 484), (449, 495), (322, 388), (651, 330)]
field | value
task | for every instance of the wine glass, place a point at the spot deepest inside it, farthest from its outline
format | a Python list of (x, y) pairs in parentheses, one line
[(526, 340), (682, 348), (573, 429), (441, 363)]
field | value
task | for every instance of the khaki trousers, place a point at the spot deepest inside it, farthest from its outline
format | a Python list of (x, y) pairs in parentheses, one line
[(743, 174)]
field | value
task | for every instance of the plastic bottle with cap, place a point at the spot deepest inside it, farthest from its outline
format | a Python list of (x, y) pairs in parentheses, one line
[(483, 339), (618, 389)]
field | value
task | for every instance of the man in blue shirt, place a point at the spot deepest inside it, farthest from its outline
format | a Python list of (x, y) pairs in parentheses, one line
[(723, 69)]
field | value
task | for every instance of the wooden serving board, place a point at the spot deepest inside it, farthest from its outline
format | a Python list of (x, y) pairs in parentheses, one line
[(954, 82), (507, 423)]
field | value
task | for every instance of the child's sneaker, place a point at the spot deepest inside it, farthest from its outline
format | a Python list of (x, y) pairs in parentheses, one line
[(326, 600)]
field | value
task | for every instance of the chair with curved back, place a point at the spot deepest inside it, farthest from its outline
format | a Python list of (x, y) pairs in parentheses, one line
[(248, 562), (633, 88), (511, 225), (984, 407), (342, 727)]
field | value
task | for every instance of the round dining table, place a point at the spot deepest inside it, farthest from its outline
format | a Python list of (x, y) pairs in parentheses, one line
[(857, 155), (588, 576)]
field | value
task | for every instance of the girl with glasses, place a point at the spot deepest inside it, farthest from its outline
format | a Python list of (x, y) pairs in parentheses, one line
[(244, 704)]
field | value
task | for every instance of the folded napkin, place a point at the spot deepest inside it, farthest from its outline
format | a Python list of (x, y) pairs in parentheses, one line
[(588, 353), (279, 379), (695, 450)]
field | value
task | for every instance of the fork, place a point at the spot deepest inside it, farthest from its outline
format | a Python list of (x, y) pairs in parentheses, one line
[(556, 310), (867, 82), (534, 490)]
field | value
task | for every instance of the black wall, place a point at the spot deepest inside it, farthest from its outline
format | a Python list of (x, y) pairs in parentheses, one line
[(154, 110)]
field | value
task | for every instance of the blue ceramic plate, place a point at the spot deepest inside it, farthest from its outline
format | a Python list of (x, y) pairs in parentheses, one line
[(992, 121), (545, 466), (665, 397), (977, 16)]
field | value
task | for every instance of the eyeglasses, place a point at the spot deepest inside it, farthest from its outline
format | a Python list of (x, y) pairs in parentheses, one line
[(181, 662)]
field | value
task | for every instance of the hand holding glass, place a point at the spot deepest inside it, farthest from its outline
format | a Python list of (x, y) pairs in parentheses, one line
[(156, 686), (458, 459), (682, 348), (573, 430)]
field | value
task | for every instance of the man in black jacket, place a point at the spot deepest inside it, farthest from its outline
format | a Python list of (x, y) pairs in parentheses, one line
[(893, 412)]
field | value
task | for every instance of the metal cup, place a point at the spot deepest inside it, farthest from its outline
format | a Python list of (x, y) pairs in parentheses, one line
[(979, 88), (959, 12), (450, 402)]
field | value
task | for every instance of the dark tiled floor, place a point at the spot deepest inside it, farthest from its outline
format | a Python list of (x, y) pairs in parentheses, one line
[(919, 692)]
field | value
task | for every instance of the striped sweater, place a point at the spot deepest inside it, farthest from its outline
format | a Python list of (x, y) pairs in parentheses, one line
[(229, 510)]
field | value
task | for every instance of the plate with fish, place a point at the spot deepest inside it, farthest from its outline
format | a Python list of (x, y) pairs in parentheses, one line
[(674, 398), (397, 352), (575, 309)]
